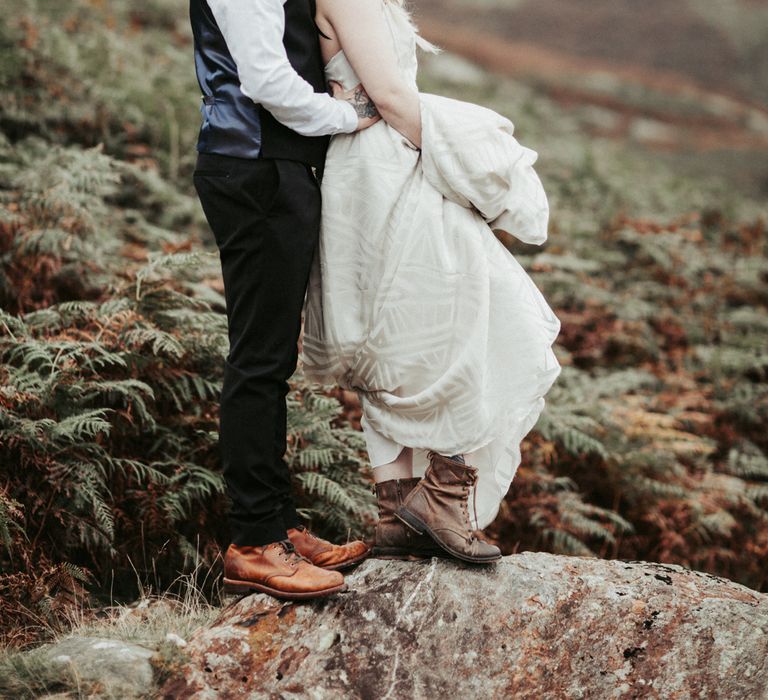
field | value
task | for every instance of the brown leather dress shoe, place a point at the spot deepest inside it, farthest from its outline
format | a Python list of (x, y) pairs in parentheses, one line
[(323, 553), (439, 507), (279, 570), (393, 539)]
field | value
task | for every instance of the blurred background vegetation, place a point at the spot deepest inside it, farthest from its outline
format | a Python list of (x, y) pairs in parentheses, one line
[(652, 131)]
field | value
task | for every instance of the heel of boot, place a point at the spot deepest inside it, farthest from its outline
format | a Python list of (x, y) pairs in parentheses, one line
[(391, 553), (405, 516), (234, 587)]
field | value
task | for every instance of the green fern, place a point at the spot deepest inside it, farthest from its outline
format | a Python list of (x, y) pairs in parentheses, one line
[(10, 516)]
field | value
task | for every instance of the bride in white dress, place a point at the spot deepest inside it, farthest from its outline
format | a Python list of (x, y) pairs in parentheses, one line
[(413, 302)]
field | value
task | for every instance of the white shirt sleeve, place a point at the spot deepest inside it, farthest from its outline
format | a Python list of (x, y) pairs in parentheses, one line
[(253, 31)]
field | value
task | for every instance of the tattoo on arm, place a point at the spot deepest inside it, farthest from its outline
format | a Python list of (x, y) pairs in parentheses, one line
[(363, 104)]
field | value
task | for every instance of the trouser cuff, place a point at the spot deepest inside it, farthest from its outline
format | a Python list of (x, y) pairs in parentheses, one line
[(257, 534), (290, 516)]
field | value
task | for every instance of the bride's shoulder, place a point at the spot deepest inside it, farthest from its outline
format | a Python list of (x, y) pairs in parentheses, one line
[(397, 11)]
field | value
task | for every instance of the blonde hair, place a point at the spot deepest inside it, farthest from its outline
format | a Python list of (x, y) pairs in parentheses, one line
[(399, 7)]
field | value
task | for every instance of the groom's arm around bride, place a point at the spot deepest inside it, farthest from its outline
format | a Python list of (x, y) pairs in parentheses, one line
[(267, 119)]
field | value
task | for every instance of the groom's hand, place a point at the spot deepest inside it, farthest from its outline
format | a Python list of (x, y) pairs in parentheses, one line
[(366, 111)]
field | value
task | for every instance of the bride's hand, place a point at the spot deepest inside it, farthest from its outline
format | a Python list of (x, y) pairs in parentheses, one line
[(366, 111)]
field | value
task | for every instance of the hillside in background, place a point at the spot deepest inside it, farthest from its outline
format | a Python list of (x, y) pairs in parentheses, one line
[(720, 45), (112, 333), (684, 82)]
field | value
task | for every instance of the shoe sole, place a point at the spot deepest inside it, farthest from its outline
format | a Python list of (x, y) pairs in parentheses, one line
[(236, 586), (420, 527)]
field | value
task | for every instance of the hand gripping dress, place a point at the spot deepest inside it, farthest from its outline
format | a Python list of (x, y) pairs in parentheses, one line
[(414, 303)]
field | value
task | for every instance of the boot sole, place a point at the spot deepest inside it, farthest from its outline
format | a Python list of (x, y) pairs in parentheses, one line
[(420, 527), (404, 554), (236, 586)]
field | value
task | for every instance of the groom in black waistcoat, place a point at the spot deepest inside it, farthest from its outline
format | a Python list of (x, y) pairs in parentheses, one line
[(254, 176)]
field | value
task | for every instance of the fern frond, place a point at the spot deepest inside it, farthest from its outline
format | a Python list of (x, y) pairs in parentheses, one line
[(320, 485), (80, 427)]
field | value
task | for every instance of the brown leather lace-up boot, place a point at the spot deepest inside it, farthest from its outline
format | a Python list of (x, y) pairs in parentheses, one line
[(439, 507), (393, 539), (279, 570), (323, 553)]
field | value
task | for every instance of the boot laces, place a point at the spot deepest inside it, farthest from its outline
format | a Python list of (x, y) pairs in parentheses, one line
[(469, 485)]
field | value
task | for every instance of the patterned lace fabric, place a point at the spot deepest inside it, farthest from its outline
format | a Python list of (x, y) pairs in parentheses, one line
[(415, 304)]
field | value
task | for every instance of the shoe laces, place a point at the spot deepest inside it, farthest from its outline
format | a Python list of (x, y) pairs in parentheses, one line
[(289, 553), (308, 532)]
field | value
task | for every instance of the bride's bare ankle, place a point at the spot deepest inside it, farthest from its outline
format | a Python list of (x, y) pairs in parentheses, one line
[(400, 468)]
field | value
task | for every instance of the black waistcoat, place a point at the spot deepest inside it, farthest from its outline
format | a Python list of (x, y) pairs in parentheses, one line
[(233, 124)]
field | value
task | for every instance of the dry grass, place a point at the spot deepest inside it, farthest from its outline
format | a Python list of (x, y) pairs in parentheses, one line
[(148, 621)]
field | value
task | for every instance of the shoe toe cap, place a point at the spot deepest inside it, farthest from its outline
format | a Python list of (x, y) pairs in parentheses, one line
[(342, 553), (328, 579), (357, 548)]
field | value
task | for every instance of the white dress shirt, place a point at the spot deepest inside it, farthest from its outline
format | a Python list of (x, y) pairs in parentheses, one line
[(253, 31)]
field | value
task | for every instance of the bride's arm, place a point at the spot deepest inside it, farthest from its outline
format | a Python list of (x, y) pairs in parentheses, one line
[(362, 31)]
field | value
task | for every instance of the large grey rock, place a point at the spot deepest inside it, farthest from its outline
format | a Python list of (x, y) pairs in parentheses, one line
[(121, 669), (533, 626)]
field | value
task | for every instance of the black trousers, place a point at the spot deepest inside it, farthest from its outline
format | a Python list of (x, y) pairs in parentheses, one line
[(265, 217)]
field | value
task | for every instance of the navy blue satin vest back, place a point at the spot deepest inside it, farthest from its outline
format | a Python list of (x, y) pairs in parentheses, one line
[(233, 124)]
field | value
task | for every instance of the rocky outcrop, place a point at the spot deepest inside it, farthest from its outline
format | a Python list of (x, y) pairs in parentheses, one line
[(533, 626), (110, 667)]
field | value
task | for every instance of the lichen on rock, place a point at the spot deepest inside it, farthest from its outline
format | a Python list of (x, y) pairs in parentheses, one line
[(534, 625)]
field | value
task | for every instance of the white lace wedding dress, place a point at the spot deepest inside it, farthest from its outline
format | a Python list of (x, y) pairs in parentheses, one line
[(414, 303)]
